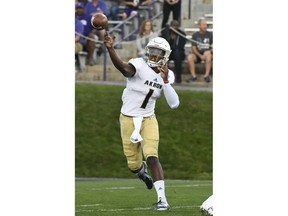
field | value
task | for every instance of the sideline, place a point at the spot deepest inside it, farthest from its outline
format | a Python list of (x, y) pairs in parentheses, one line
[(132, 179), (205, 87), (133, 209)]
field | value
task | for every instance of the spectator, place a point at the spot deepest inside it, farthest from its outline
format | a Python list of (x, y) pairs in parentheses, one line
[(201, 52), (88, 31), (96, 6), (83, 1), (168, 6), (146, 13), (177, 44), (146, 33), (79, 28), (114, 9), (147, 2), (132, 7)]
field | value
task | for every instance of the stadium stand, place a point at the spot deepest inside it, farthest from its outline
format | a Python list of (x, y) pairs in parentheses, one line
[(125, 33)]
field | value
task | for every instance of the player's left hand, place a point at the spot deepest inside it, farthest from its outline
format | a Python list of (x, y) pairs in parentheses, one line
[(108, 40), (163, 72)]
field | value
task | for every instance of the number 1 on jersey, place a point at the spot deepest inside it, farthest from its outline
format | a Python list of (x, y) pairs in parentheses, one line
[(144, 104)]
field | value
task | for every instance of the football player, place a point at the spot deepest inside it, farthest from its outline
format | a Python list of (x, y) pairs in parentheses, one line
[(146, 79)]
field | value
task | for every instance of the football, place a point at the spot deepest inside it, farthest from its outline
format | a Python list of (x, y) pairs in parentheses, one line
[(99, 21)]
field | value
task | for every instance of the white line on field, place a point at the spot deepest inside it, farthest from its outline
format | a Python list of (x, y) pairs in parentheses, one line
[(114, 188), (133, 209), (89, 205), (111, 188), (84, 210), (196, 185)]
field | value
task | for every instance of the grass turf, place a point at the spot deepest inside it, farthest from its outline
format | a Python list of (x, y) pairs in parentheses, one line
[(185, 148), (129, 197)]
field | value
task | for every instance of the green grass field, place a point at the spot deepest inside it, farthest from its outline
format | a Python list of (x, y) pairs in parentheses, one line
[(129, 197), (185, 148), (185, 152)]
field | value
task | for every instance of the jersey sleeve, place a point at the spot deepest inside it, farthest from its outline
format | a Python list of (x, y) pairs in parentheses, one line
[(135, 62), (171, 76)]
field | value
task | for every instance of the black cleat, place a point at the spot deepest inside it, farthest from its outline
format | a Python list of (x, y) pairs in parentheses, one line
[(161, 206), (145, 177)]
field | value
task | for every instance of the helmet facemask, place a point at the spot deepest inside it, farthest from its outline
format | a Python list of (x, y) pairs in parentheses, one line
[(155, 57)]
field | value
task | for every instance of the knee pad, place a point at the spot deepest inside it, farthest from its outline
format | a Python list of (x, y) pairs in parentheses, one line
[(150, 151), (134, 165)]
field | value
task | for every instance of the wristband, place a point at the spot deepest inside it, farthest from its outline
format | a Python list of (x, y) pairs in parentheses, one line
[(166, 81)]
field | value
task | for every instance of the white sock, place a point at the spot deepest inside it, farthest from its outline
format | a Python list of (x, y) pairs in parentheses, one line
[(160, 189)]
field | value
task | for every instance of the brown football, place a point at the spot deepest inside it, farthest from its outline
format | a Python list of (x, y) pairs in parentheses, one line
[(99, 21)]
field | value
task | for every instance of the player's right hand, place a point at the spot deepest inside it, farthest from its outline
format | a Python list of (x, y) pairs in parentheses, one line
[(163, 72), (108, 40)]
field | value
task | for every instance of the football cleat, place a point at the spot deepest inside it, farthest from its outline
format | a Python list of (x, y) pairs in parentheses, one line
[(208, 211), (207, 206), (161, 206), (144, 176)]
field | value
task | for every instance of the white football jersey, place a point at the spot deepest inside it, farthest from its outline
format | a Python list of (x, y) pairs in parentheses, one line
[(142, 90)]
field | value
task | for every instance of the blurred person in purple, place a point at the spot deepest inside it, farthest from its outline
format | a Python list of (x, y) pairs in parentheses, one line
[(89, 31), (132, 7), (83, 1), (79, 28), (96, 6)]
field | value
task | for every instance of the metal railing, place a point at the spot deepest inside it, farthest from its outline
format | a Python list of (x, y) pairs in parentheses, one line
[(123, 26)]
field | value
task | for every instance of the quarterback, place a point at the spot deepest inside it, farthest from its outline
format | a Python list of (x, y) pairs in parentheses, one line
[(146, 79)]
